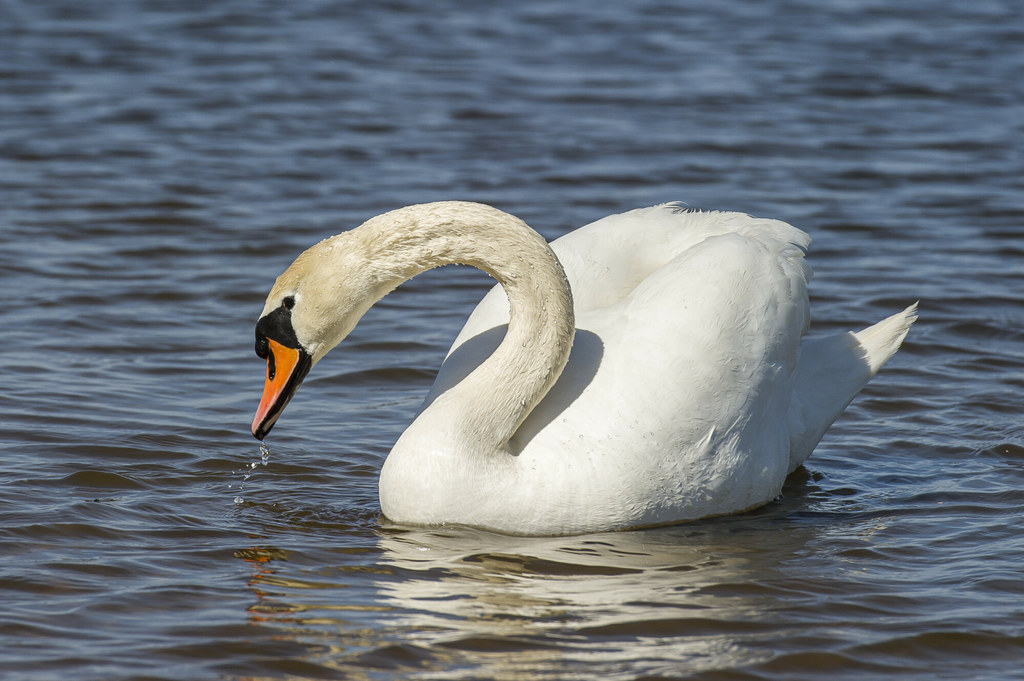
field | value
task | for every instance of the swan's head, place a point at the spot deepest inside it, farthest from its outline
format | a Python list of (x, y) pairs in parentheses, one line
[(313, 305)]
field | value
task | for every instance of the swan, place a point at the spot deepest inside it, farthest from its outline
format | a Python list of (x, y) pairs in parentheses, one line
[(646, 369)]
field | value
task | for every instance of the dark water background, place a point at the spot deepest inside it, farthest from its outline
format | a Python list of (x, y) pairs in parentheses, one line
[(161, 162)]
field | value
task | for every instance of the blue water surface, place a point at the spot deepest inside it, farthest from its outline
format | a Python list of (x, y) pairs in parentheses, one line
[(161, 162)]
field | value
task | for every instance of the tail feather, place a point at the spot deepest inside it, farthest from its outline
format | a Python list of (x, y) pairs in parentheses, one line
[(831, 372), (881, 341)]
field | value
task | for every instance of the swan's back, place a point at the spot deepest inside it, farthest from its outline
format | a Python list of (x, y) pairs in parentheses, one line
[(607, 259)]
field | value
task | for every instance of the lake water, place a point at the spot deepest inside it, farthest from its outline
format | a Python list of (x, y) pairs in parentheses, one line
[(161, 162)]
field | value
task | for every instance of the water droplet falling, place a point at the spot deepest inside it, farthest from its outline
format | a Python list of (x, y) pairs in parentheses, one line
[(250, 468)]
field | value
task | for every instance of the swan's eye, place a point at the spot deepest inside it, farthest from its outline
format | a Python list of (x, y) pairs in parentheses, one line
[(262, 347), (288, 302)]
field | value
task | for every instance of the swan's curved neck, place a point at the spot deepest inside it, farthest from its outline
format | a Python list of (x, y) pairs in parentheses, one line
[(497, 396)]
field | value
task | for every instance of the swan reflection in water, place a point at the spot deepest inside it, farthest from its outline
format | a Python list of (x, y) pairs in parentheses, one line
[(656, 597), (689, 597)]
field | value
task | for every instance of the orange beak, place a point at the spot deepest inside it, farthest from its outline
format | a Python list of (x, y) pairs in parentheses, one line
[(286, 367)]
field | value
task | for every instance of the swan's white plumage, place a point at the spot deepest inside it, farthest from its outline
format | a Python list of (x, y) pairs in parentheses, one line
[(687, 393)]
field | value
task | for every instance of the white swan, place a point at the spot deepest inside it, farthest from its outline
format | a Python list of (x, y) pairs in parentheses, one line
[(688, 391)]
